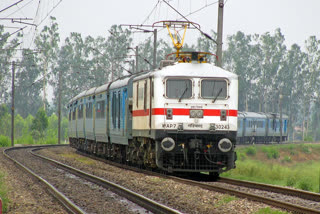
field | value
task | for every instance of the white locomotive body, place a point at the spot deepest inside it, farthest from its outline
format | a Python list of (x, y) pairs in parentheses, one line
[(181, 117)]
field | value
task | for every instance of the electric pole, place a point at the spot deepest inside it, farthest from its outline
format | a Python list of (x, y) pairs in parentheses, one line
[(59, 107), (12, 106), (154, 48), (219, 33), (137, 57)]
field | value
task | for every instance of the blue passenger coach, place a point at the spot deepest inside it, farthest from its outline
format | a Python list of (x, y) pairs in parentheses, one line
[(261, 127)]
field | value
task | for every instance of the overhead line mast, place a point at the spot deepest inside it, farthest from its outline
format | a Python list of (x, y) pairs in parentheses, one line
[(219, 33)]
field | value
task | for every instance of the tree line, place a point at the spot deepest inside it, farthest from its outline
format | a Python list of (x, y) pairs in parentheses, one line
[(270, 73)]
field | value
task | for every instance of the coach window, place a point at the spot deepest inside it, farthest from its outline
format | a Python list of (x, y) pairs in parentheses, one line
[(118, 109), (70, 110), (179, 88), (214, 88), (100, 109), (80, 112), (74, 113), (89, 110), (114, 109)]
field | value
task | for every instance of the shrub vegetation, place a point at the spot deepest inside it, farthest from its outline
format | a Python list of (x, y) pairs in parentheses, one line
[(287, 165), (38, 129)]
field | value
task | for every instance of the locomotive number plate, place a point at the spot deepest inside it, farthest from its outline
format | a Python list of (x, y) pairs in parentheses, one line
[(221, 126)]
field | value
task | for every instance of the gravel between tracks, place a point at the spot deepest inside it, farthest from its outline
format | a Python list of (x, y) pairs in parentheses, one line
[(179, 196), (21, 191), (89, 197)]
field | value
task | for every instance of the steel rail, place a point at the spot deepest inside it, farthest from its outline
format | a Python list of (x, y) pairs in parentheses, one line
[(137, 198), (269, 201), (272, 188), (65, 202), (253, 197)]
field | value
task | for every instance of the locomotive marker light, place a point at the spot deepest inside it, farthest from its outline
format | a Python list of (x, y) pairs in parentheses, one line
[(168, 144), (225, 145)]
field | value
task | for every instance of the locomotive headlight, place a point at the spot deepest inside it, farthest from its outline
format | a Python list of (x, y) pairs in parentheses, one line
[(196, 113), (199, 114), (168, 144), (225, 145)]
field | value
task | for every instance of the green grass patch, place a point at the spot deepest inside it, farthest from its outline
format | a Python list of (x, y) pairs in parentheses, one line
[(251, 150), (3, 193), (4, 141), (224, 200), (268, 210), (286, 165), (272, 152), (79, 158)]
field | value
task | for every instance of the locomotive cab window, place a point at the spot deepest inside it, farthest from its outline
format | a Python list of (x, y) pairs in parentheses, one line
[(214, 88), (179, 88)]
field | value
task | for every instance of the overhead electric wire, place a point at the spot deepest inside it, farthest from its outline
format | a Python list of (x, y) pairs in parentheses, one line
[(207, 5), (151, 12), (203, 33), (54, 7), (11, 6), (20, 8)]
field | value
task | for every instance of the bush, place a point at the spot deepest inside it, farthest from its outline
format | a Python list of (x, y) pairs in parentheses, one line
[(251, 150), (271, 152), (305, 149), (305, 184), (291, 181), (4, 141), (51, 140), (25, 140), (287, 159)]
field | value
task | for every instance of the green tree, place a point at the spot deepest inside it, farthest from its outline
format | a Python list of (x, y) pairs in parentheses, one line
[(242, 57), (7, 51), (48, 42), (5, 121), (311, 98), (27, 96), (39, 124)]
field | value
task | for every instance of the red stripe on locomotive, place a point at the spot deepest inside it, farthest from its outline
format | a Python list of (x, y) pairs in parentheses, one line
[(182, 112)]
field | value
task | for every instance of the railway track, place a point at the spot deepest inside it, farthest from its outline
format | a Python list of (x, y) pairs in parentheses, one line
[(79, 180), (293, 200), (275, 196)]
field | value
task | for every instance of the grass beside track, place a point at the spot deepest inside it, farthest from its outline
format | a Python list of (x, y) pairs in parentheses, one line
[(291, 165), (3, 192)]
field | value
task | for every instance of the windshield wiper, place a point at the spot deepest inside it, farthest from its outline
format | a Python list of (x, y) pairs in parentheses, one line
[(185, 90), (217, 95)]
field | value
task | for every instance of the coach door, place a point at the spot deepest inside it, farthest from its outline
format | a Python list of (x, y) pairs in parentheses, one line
[(141, 107)]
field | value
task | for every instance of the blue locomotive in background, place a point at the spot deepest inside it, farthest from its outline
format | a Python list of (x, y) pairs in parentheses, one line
[(261, 128)]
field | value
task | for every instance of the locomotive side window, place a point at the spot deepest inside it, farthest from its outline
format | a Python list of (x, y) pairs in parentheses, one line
[(179, 88), (214, 88)]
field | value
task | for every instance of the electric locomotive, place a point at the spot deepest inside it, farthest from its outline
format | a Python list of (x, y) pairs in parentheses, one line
[(181, 117)]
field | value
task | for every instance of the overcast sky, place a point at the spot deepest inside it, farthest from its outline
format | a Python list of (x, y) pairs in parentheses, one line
[(297, 19)]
